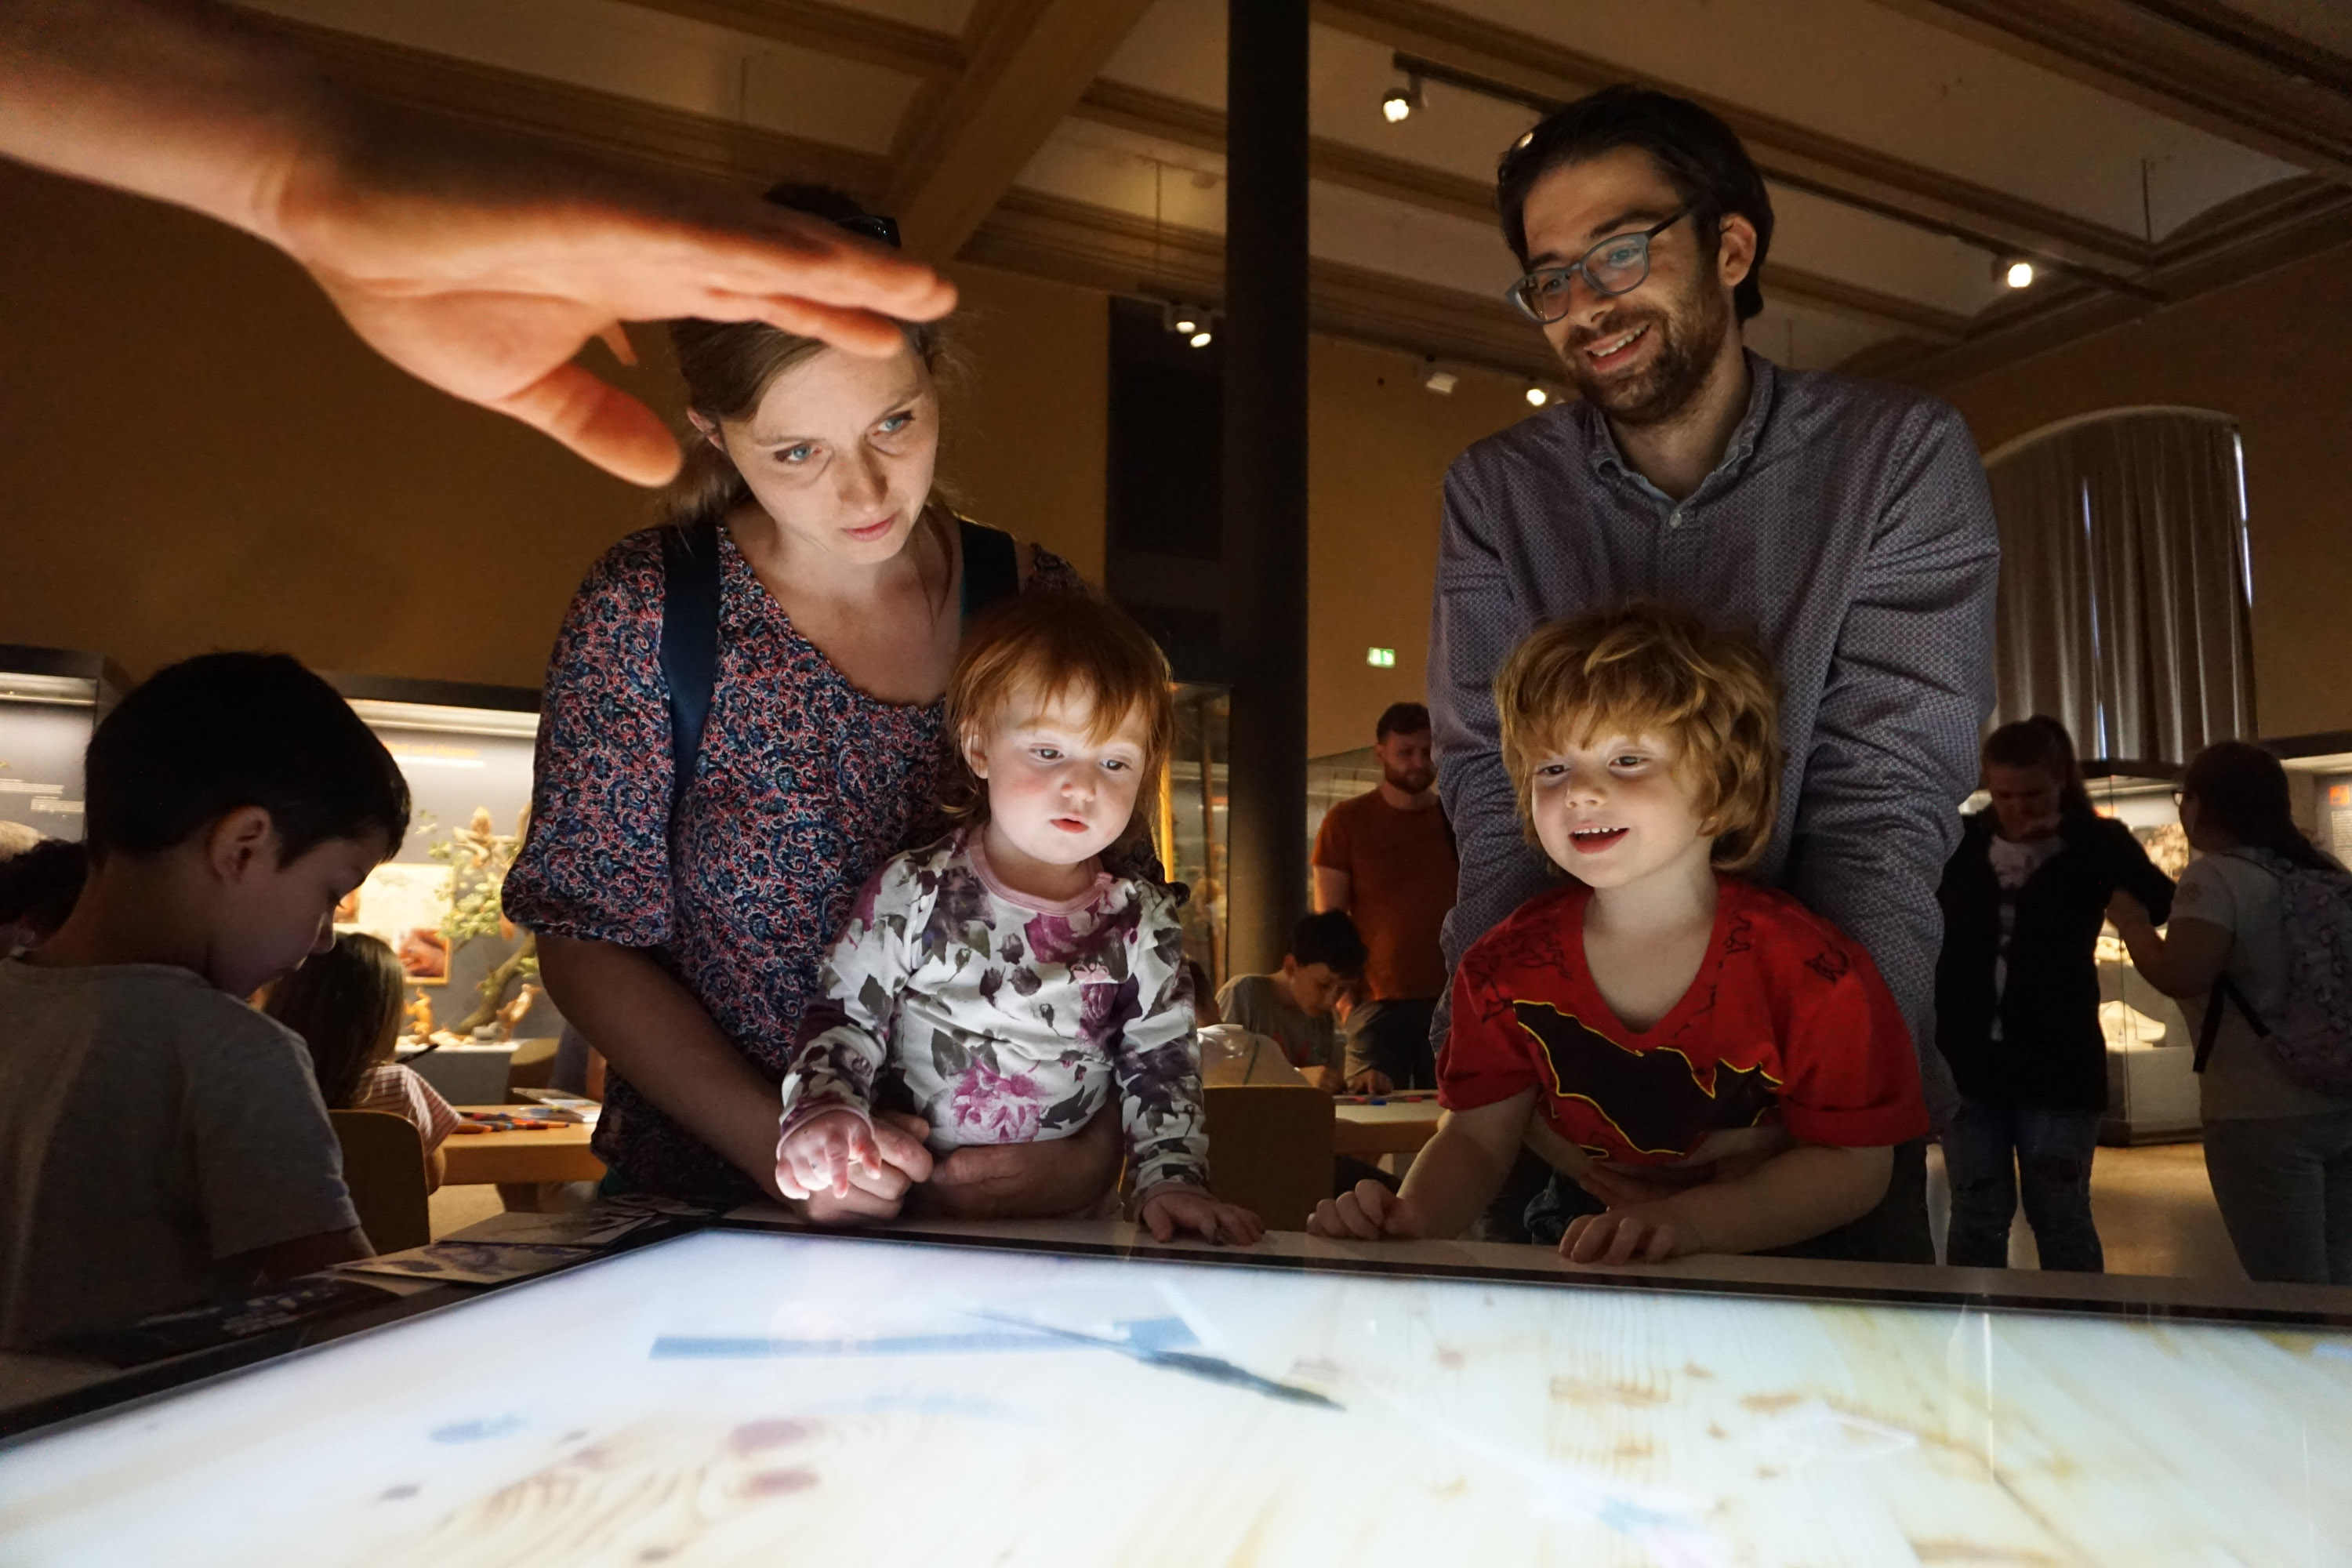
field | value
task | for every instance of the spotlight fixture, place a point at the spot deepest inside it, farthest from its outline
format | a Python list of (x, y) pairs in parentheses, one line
[(1399, 102), (1192, 323), (1186, 323), (1537, 396), (1201, 339), (2018, 273), (1441, 382)]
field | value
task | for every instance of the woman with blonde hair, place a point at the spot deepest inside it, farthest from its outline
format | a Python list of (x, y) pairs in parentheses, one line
[(742, 721)]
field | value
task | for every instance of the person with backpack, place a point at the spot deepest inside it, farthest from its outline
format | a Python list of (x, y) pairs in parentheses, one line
[(2260, 951), (743, 722), (2016, 998)]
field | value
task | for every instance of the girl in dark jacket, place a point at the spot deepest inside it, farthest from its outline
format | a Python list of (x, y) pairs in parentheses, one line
[(2016, 998)]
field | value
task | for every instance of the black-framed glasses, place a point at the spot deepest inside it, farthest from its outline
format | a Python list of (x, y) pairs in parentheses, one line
[(873, 226), (1615, 266)]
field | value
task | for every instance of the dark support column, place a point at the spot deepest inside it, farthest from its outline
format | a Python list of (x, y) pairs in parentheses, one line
[(1265, 472)]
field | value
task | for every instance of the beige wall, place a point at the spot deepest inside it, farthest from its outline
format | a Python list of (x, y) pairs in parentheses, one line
[(1378, 444), (2276, 352), (197, 454)]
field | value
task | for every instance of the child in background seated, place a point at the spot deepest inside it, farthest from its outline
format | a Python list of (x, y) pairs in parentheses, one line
[(1293, 1006), (346, 1003), (1721, 1068), (1000, 982), (38, 884), (162, 1143)]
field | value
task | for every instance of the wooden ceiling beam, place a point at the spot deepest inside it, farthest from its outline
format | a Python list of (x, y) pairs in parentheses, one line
[(1790, 153), (834, 30), (667, 141), (2190, 61), (1341, 164), (1095, 248), (2294, 220), (1030, 60)]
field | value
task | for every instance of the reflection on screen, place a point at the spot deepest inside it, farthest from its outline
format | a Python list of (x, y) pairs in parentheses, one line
[(733, 1398)]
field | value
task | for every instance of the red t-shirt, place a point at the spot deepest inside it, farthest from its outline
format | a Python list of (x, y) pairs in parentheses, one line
[(1787, 1021)]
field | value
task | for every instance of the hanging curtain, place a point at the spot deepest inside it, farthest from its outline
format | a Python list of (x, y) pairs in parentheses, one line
[(2126, 603)]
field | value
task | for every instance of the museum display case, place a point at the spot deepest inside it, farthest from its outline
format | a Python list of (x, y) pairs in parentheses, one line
[(50, 700), (466, 751)]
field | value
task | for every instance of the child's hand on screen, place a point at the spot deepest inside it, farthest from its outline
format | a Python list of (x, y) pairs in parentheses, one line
[(1174, 1206), (1629, 1236), (823, 1153), (1368, 1212)]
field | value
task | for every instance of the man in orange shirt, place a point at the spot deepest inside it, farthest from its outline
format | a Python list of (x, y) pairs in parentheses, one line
[(1387, 859)]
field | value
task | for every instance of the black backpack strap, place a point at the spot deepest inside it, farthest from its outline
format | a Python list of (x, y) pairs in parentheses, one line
[(2224, 994), (690, 642), (992, 571)]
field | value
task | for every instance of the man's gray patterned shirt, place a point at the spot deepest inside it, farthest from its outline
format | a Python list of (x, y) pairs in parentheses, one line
[(1849, 526)]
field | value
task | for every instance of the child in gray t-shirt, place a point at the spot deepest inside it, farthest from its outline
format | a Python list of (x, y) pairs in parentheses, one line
[(1293, 1006), (162, 1143)]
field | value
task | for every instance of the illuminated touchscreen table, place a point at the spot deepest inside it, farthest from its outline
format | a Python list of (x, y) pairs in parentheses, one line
[(731, 1397)]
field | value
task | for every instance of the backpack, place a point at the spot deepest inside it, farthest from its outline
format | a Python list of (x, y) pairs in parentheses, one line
[(689, 637), (2312, 1038)]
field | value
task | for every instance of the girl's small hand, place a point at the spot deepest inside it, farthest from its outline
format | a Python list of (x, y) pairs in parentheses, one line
[(821, 1155), (1174, 1206), (1628, 1236)]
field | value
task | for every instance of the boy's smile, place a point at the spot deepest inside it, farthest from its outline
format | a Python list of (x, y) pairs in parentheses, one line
[(1614, 808)]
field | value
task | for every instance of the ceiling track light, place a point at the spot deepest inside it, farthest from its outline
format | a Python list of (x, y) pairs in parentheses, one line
[(2014, 271), (1399, 102), (1195, 325), (1538, 394)]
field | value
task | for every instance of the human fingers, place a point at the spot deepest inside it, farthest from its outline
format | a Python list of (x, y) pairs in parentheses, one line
[(1666, 1241), (1590, 1236), (1246, 1228), (902, 1146), (1156, 1220), (859, 1149), (601, 422)]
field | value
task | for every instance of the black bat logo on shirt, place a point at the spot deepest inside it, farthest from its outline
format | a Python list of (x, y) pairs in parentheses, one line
[(1658, 1099)]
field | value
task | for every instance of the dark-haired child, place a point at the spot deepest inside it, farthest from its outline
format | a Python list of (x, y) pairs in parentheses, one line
[(1293, 1006), (1721, 1069), (346, 1003), (39, 885), (162, 1142)]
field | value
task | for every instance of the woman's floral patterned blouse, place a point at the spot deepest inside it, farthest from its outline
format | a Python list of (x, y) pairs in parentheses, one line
[(805, 786)]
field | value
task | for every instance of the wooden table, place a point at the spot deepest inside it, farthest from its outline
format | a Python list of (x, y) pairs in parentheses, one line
[(1398, 1125), (558, 1154)]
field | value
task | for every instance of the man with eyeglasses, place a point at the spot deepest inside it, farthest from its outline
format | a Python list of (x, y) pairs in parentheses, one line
[(1846, 522)]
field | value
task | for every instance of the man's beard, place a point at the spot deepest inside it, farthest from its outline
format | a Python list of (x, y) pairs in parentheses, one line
[(1688, 338), (1412, 781)]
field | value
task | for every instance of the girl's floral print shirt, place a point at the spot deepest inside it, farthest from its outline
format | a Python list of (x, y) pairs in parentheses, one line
[(1005, 1019), (805, 784)]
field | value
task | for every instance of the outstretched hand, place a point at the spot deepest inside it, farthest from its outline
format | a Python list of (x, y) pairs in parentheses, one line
[(483, 269)]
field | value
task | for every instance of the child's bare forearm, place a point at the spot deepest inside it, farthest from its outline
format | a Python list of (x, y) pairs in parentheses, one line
[(1457, 1173), (1793, 1196)]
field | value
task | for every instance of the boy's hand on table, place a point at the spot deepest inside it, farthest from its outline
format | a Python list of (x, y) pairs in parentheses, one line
[(1369, 1081), (1325, 1077), (1172, 1206), (1638, 1234), (1370, 1212)]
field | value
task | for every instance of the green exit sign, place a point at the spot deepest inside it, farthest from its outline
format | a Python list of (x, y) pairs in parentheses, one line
[(1380, 657)]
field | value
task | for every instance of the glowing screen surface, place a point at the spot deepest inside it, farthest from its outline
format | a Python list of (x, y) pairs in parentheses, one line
[(736, 1398)]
